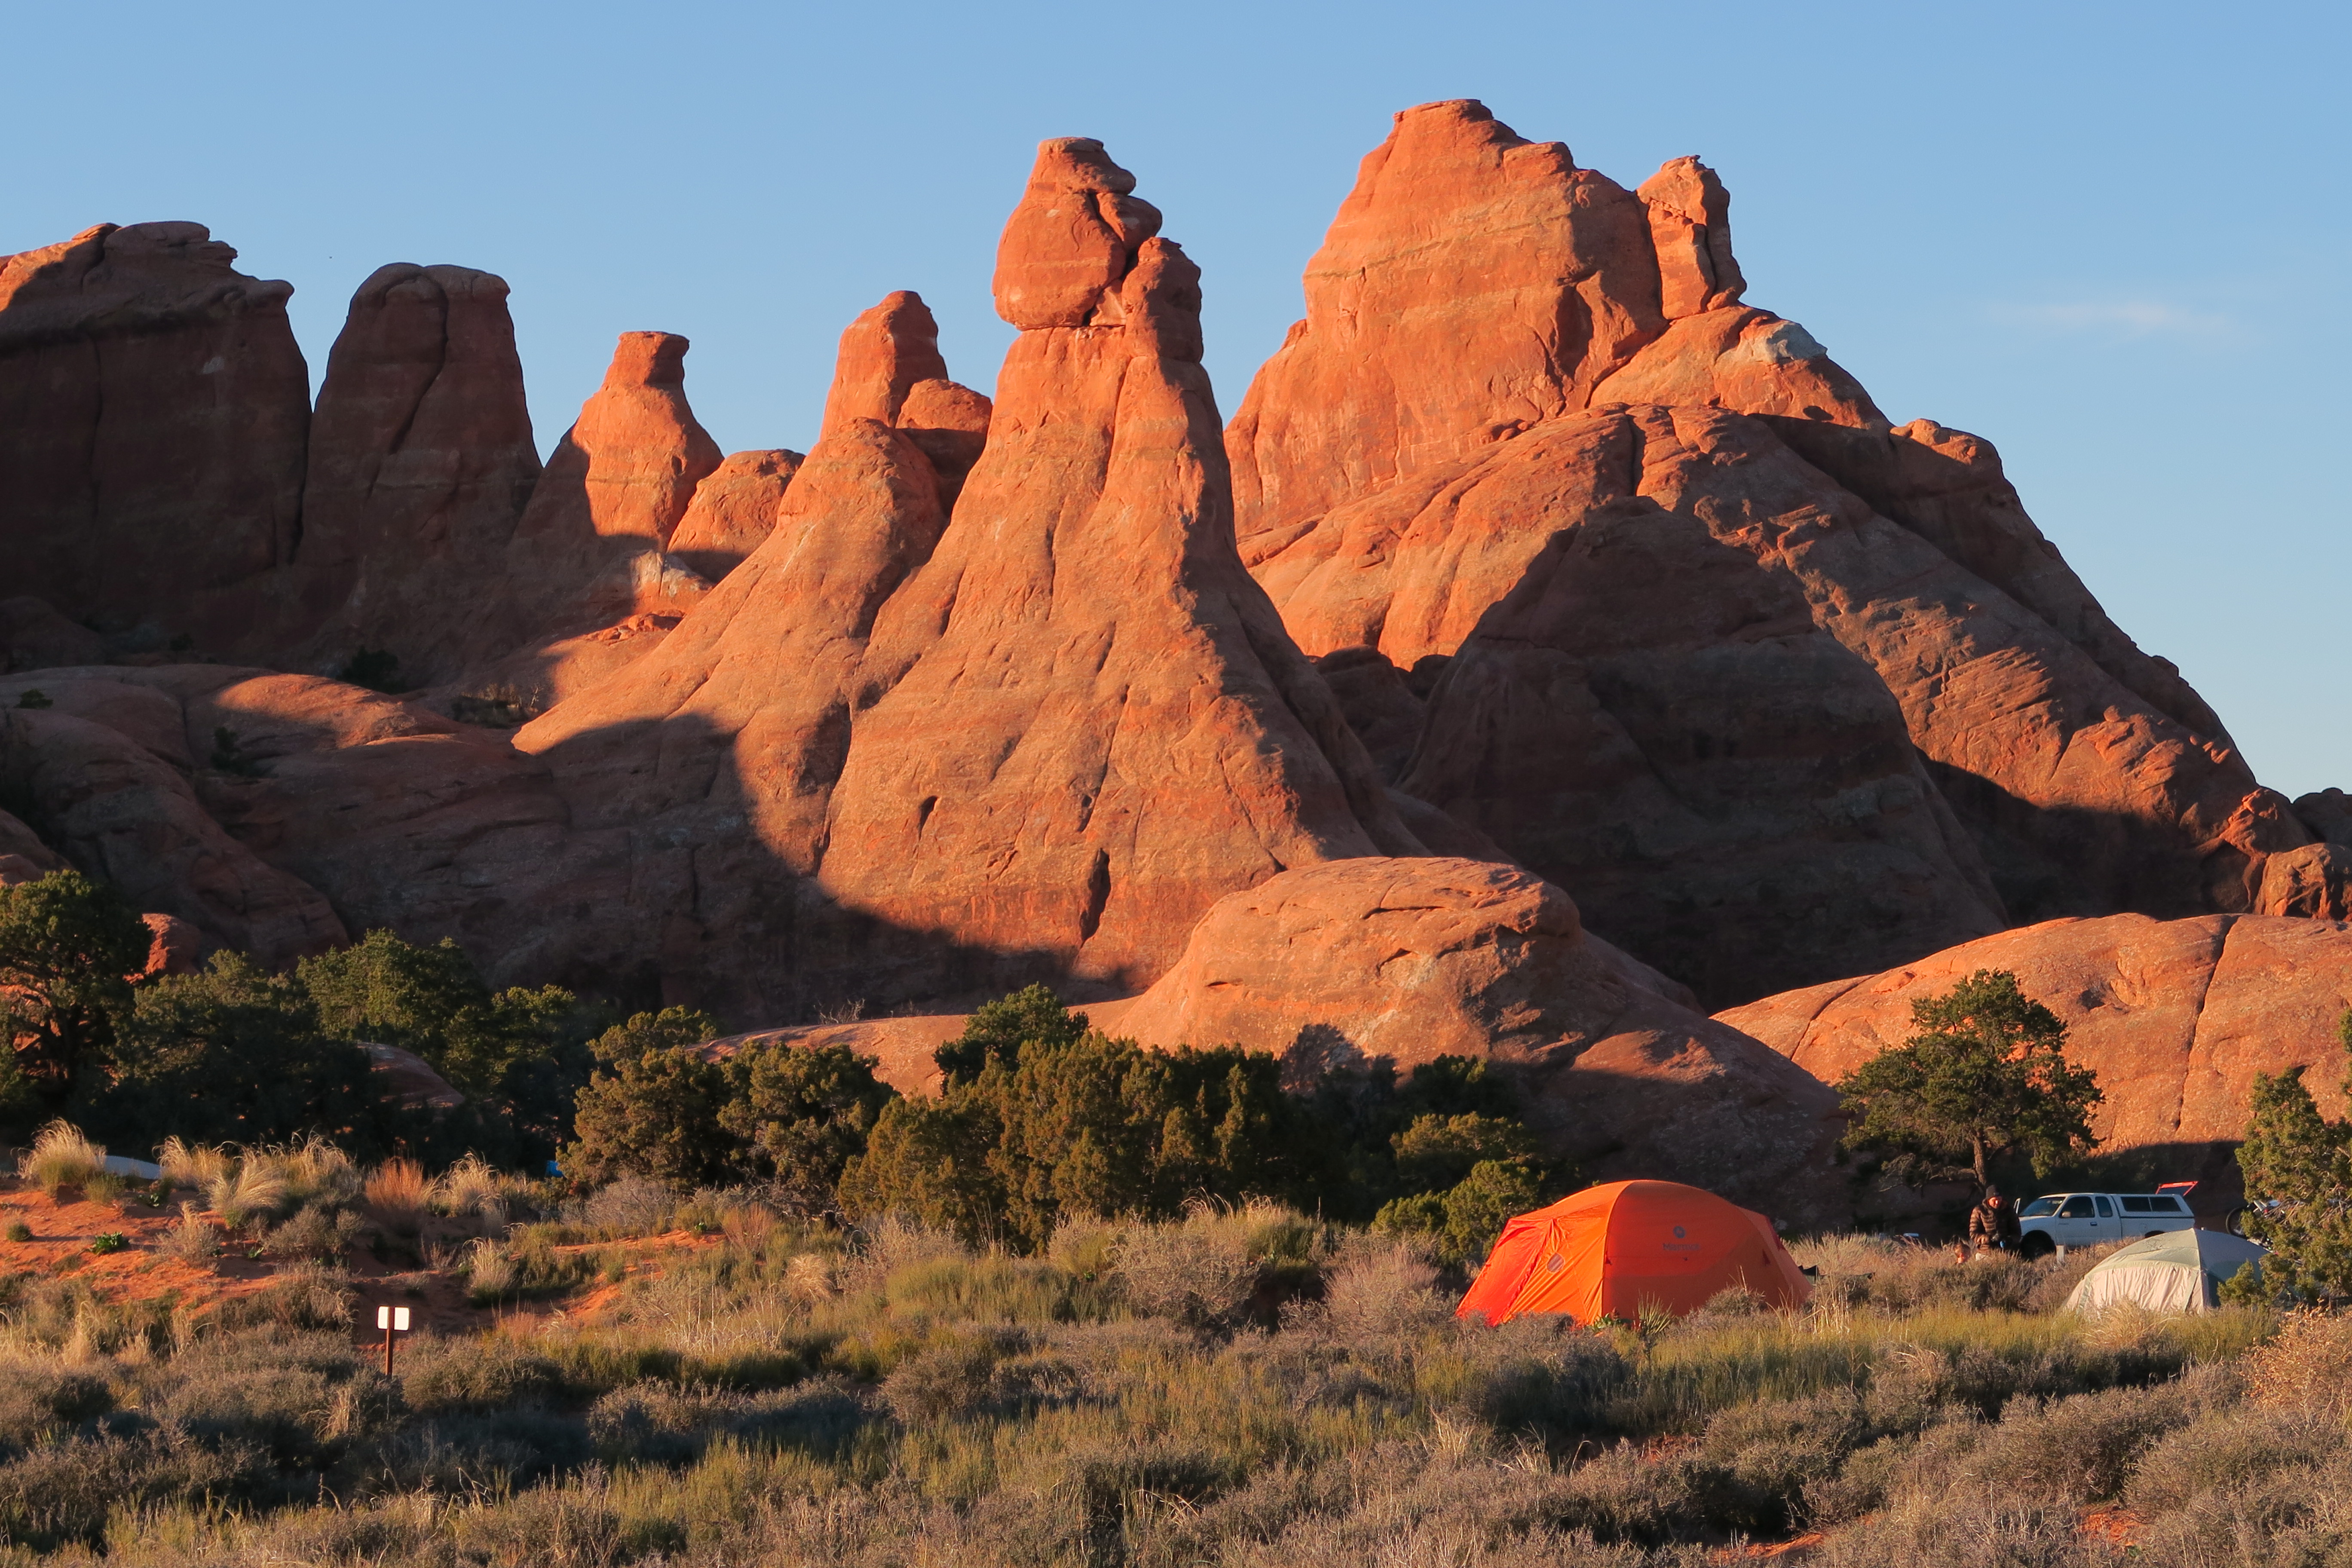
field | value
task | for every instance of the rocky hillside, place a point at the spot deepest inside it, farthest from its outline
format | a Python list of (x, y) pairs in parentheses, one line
[(1535, 546)]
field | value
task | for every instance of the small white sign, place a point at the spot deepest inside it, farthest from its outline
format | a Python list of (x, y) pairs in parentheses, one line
[(392, 1317), (400, 1318), (383, 1316)]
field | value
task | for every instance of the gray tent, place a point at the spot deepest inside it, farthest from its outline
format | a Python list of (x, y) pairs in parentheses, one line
[(2177, 1272)]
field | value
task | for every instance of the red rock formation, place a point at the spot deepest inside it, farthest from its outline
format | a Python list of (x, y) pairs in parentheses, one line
[(123, 810), (1088, 723), (2327, 813), (152, 412), (1947, 487), (1652, 717), (894, 756), (1473, 284), (948, 423), (733, 509), (1745, 359), (883, 354), (2175, 1017), (701, 779), (421, 463), (176, 948), (236, 798), (1406, 960), (2089, 774), (1074, 235), (2082, 795), (889, 371), (588, 586), (1413, 959), (1690, 230), (2314, 881)]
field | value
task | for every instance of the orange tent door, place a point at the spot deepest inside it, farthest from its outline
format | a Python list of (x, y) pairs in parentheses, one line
[(1629, 1247)]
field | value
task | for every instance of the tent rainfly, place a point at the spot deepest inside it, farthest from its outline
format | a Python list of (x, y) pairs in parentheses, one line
[(1616, 1250), (2180, 1271)]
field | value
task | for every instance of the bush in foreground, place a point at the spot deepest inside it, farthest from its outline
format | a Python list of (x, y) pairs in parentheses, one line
[(1235, 1386)]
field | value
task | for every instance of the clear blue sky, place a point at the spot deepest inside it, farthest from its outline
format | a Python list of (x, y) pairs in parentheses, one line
[(2113, 238)]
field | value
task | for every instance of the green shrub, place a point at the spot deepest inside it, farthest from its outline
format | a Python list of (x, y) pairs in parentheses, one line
[(802, 1115), (66, 944), (653, 1115)]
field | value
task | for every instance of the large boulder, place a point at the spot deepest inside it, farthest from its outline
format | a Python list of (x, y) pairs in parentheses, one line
[(2176, 1018), (1407, 960), (153, 408)]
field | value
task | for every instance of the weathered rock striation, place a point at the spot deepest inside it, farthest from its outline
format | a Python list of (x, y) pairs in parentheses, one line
[(153, 409)]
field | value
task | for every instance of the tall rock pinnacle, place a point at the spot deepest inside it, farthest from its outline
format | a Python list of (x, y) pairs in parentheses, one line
[(1081, 721), (421, 463), (893, 752), (153, 408)]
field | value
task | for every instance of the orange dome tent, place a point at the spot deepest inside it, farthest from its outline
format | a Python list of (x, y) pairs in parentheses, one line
[(1614, 1250)]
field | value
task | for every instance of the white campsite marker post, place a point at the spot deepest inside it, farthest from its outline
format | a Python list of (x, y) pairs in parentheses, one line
[(391, 1320)]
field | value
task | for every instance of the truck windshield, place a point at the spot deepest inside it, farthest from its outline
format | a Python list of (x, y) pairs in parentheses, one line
[(2038, 1206)]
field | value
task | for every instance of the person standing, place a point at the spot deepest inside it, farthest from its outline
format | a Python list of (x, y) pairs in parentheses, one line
[(1993, 1224)]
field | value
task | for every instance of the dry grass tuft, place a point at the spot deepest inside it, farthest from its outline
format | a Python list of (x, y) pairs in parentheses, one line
[(2307, 1367), (399, 1194), (472, 1189), (62, 1157), (189, 1164), (246, 1194), (192, 1238), (490, 1271)]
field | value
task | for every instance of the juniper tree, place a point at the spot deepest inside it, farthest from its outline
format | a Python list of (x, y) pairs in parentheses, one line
[(1984, 1074)]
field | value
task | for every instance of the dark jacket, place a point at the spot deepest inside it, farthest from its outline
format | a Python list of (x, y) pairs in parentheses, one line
[(1993, 1223)]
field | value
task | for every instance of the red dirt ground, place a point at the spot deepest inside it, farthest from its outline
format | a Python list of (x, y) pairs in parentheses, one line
[(143, 1271)]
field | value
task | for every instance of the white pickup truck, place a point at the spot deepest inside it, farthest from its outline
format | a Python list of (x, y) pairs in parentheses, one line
[(2086, 1219)]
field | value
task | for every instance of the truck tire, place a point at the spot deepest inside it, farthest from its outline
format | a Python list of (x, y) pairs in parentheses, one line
[(2037, 1244)]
